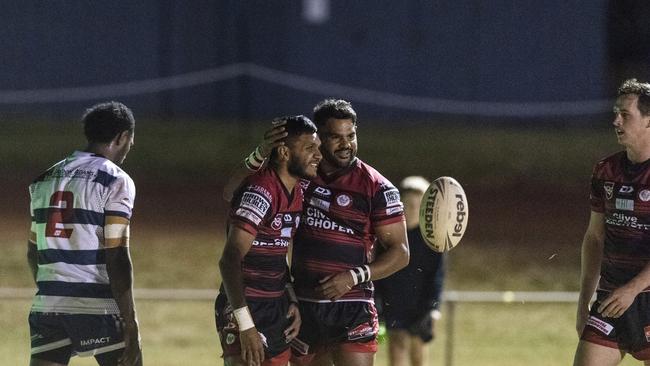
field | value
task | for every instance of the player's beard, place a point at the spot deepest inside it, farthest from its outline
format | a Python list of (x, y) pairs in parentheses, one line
[(297, 169), (339, 162)]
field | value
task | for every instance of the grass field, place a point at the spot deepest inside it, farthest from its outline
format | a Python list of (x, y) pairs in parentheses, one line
[(182, 333), (175, 332), (527, 192)]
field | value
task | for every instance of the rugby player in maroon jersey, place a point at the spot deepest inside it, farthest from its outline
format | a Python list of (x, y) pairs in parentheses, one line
[(256, 316), (349, 207), (616, 246)]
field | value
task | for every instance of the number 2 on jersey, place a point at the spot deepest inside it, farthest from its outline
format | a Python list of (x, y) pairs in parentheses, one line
[(60, 212)]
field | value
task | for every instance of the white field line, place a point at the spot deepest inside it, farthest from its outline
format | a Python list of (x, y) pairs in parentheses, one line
[(448, 296)]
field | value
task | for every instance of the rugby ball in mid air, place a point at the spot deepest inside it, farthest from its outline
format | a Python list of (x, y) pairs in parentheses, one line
[(443, 214)]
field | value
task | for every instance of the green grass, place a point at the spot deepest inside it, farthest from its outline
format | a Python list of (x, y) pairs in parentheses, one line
[(177, 332), (182, 332)]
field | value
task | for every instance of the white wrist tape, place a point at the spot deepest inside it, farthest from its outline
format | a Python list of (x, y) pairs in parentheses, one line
[(436, 315), (244, 319), (360, 274), (255, 160)]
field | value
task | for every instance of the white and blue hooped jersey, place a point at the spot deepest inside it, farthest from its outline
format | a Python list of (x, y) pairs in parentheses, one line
[(69, 205)]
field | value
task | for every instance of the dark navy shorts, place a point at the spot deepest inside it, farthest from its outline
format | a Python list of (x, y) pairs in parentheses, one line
[(629, 333), (56, 337), (352, 325), (270, 318)]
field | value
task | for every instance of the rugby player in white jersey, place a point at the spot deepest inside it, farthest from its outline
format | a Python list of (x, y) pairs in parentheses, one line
[(78, 249)]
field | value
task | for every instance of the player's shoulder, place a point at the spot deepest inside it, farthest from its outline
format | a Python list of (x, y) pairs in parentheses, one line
[(371, 175), (108, 172), (48, 172), (265, 182), (614, 158), (610, 163)]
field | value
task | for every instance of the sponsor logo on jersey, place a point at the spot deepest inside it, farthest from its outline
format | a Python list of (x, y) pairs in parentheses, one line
[(644, 195), (624, 220), (94, 341), (362, 331), (230, 339), (317, 219), (255, 203), (322, 191), (304, 184), (394, 210), (624, 204), (77, 173), (276, 243), (609, 189), (287, 218), (242, 212), (626, 190), (602, 326), (392, 197), (322, 204), (343, 200), (286, 232), (276, 224), (261, 190)]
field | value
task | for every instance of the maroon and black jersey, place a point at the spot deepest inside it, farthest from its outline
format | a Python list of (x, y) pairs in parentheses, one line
[(337, 229), (263, 207), (621, 191)]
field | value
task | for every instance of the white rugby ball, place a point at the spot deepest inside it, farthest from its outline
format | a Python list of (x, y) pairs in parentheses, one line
[(443, 214)]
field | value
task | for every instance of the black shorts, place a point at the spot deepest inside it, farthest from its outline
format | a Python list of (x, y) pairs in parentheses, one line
[(56, 337), (352, 325), (411, 319), (270, 318), (629, 333)]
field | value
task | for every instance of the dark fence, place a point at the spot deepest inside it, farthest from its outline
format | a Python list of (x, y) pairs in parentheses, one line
[(255, 59)]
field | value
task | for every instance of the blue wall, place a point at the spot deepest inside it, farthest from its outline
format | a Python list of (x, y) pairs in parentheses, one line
[(464, 50)]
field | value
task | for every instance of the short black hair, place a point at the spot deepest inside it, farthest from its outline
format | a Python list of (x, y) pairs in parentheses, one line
[(294, 126), (333, 108), (103, 121), (632, 86)]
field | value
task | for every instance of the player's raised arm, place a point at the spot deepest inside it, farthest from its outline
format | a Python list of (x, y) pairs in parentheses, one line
[(592, 253), (272, 139), (120, 272), (238, 243)]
